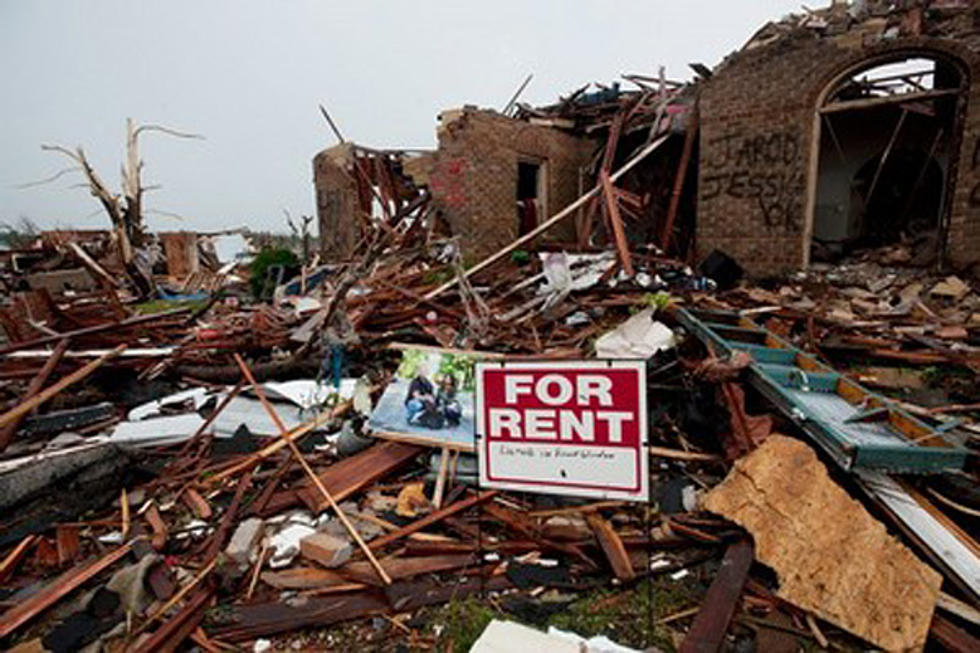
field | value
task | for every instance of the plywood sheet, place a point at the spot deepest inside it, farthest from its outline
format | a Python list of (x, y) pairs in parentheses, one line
[(831, 556)]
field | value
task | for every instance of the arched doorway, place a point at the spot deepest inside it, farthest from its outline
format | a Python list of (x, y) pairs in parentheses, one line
[(887, 130)]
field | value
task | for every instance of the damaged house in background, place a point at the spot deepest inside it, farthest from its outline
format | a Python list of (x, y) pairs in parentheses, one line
[(850, 127), (277, 452)]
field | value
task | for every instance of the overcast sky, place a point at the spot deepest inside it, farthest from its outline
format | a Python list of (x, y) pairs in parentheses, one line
[(249, 76)]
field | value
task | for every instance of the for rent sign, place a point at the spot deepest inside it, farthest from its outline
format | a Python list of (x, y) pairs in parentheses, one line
[(577, 427)]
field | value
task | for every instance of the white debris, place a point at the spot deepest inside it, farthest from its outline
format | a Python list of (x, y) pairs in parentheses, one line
[(638, 337), (285, 544)]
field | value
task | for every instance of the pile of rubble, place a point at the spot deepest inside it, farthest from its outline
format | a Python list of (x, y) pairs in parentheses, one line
[(213, 475)]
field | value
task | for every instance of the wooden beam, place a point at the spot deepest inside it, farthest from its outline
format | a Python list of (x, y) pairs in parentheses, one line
[(884, 156), (178, 628), (889, 99), (13, 558), (87, 331), (8, 431), (550, 222), (690, 132), (611, 545), (25, 407), (432, 518), (284, 434), (707, 632), (275, 447), (51, 593), (612, 210)]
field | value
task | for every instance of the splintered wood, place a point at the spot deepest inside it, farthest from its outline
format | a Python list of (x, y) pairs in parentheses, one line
[(831, 556)]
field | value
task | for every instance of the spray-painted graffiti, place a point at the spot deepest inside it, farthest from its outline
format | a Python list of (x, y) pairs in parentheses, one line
[(764, 168), (447, 182)]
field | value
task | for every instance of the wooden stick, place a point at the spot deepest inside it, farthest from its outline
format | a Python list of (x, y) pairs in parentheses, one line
[(8, 431), (441, 478), (10, 563), (432, 518), (815, 629), (664, 452), (550, 222), (884, 157), (175, 599), (124, 506), (273, 448), (210, 419), (26, 610), (675, 196), (284, 434), (87, 331), (333, 127), (27, 406), (612, 210), (517, 94), (257, 570)]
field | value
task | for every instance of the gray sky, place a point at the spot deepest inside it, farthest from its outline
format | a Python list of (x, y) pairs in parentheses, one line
[(249, 76)]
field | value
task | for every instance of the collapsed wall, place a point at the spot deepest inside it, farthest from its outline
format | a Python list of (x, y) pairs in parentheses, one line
[(764, 123), (484, 161)]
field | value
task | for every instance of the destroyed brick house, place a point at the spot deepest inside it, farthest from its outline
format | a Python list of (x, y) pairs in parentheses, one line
[(277, 457), (851, 126)]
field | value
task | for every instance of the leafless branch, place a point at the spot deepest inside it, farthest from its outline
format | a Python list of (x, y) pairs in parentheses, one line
[(166, 130), (40, 182), (166, 214)]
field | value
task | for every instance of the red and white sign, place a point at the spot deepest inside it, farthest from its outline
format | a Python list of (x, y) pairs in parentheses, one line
[(575, 427)]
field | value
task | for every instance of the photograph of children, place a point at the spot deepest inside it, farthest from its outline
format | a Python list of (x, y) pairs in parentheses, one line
[(431, 396)]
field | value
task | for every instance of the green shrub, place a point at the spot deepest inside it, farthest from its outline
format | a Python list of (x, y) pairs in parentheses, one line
[(266, 259)]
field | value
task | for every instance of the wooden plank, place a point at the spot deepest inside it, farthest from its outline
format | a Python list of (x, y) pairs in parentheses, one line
[(526, 527), (432, 518), (247, 622), (890, 99), (302, 578), (66, 540), (101, 328), (25, 407), (67, 582), (229, 519), (550, 222), (690, 132), (707, 632), (178, 628), (324, 492), (8, 431), (9, 564), (622, 245), (344, 478), (400, 568), (952, 637), (270, 450), (423, 441), (611, 545), (197, 503), (153, 518)]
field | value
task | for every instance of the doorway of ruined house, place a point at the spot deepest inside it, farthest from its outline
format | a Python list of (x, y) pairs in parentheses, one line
[(888, 131), (532, 194)]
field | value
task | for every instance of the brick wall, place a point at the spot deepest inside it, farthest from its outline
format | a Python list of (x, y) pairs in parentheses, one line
[(336, 204), (757, 121), (473, 178)]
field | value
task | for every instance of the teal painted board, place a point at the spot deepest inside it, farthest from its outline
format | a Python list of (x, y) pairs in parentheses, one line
[(853, 435)]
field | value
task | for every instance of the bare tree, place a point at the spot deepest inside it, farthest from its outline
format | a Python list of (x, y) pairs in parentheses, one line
[(302, 233), (125, 210), (20, 234)]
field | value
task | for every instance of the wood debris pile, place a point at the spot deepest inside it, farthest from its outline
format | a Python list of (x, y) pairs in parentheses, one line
[(202, 476)]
